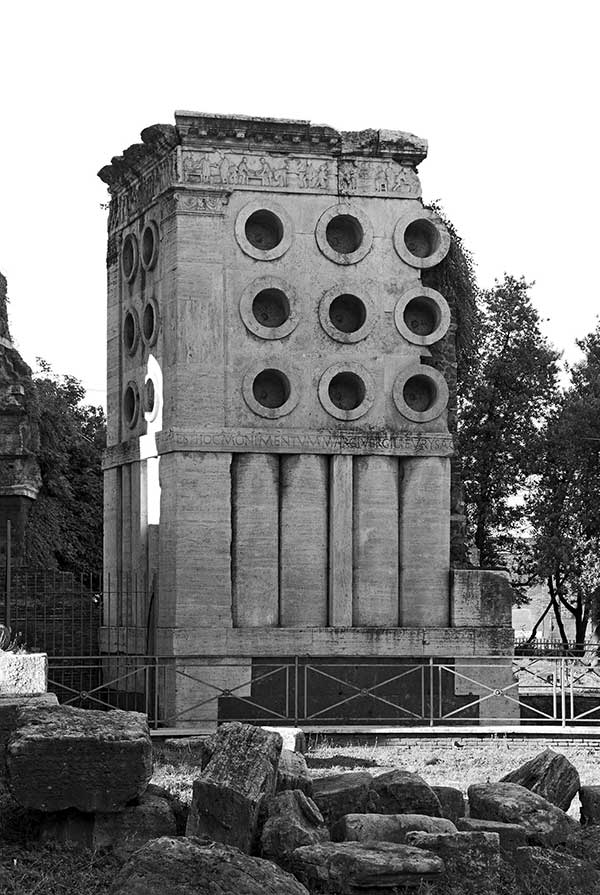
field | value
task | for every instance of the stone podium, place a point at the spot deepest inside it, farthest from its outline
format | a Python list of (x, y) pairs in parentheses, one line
[(279, 385)]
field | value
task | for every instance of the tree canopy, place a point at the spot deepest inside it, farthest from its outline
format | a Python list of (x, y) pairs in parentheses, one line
[(510, 390), (64, 529)]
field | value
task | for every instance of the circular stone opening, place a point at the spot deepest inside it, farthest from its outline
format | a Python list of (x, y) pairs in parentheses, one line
[(130, 405), (271, 388), (344, 234), (129, 332), (271, 308), (129, 256), (421, 316), (419, 393), (149, 396), (421, 238), (347, 391), (347, 313), (148, 246), (149, 322), (264, 230)]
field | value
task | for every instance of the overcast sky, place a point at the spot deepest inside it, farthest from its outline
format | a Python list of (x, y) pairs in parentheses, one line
[(505, 92)]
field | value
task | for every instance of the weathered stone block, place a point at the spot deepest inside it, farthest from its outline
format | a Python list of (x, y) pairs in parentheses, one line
[(125, 831), (512, 836), (292, 773), (510, 803), (122, 831), (340, 794), (345, 868), (403, 792), (293, 821), (452, 801), (480, 598), (62, 757), (10, 706), (550, 775), (589, 796), (23, 674), (228, 796), (387, 827), (184, 866), (474, 854)]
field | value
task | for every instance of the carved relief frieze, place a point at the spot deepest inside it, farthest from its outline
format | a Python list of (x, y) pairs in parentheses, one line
[(299, 173), (142, 192), (210, 203)]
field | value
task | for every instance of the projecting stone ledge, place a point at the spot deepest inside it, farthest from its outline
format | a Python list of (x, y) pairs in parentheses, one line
[(342, 642)]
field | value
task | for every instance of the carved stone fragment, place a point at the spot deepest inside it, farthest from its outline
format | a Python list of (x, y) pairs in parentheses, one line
[(228, 795), (182, 866), (550, 775)]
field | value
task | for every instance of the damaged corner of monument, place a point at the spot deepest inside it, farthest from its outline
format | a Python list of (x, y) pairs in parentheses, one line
[(271, 272), (20, 478)]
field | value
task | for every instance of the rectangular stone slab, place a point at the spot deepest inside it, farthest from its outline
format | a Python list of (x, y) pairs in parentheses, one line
[(23, 674), (62, 757)]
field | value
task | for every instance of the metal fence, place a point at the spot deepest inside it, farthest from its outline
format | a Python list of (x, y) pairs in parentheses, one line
[(189, 690), (98, 636)]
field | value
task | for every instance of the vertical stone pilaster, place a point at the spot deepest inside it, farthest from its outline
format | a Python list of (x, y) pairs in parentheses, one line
[(303, 544), (375, 541), (255, 553), (340, 542), (112, 541), (425, 542), (195, 540)]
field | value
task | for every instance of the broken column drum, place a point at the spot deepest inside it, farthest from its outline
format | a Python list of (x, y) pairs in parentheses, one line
[(274, 374)]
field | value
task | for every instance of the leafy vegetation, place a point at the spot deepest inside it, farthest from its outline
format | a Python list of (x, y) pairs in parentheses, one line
[(64, 529), (504, 405)]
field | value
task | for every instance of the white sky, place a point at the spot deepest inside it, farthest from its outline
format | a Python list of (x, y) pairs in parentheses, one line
[(507, 93)]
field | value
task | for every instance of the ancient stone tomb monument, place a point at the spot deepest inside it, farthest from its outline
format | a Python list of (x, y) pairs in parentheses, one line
[(281, 395)]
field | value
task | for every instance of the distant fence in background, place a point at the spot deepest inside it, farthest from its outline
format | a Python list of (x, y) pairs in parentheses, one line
[(553, 647), (73, 617)]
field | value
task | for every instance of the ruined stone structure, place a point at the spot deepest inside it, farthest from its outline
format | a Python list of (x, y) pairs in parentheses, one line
[(276, 363), (19, 471)]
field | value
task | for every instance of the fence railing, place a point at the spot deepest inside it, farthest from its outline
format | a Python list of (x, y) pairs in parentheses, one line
[(65, 614), (190, 690)]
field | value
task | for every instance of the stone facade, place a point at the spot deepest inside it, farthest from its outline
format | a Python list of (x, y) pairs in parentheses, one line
[(19, 471), (279, 373)]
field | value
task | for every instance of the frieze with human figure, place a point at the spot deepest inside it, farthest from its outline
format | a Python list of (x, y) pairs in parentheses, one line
[(357, 176)]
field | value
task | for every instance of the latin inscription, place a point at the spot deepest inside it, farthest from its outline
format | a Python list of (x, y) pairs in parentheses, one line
[(284, 441)]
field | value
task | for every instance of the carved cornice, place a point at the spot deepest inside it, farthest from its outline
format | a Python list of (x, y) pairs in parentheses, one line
[(259, 153)]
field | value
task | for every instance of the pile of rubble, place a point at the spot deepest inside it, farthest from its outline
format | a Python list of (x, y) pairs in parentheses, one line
[(258, 823)]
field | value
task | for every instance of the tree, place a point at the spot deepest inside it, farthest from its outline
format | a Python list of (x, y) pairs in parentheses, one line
[(64, 529), (502, 407), (564, 505)]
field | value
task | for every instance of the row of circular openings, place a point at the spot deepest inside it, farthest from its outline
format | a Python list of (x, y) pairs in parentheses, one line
[(133, 402), (347, 392), (149, 327), (269, 310), (420, 238), (131, 255)]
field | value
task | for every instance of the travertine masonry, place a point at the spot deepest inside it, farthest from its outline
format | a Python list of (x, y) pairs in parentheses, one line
[(272, 346)]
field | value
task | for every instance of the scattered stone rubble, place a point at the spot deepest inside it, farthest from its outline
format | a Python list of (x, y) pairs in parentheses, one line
[(253, 826)]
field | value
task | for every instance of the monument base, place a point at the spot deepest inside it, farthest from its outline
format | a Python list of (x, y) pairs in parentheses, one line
[(401, 676)]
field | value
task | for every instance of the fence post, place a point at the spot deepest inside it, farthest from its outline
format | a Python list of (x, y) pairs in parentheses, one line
[(431, 691), (8, 582), (563, 695), (296, 682)]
